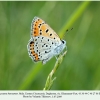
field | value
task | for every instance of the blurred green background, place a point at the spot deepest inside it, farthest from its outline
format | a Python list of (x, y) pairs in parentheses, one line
[(80, 69)]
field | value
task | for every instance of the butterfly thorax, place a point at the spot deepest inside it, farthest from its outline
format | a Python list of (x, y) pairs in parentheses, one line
[(60, 48)]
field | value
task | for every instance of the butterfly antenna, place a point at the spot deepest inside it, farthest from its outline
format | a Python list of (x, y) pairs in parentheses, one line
[(67, 31)]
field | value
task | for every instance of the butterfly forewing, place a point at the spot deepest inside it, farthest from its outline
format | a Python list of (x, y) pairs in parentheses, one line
[(40, 28)]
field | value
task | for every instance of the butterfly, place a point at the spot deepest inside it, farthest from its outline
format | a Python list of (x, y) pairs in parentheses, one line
[(44, 43)]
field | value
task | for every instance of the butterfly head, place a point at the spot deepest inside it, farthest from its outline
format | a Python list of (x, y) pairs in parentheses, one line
[(63, 41)]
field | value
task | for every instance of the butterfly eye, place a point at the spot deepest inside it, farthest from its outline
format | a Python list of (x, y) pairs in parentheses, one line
[(63, 41)]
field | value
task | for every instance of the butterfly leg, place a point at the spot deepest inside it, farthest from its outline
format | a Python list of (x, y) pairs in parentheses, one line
[(56, 57), (65, 50)]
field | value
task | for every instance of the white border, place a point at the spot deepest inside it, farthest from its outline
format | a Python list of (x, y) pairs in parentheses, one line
[(50, 95)]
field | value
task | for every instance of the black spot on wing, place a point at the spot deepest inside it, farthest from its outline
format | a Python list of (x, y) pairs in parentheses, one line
[(47, 30), (51, 34)]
